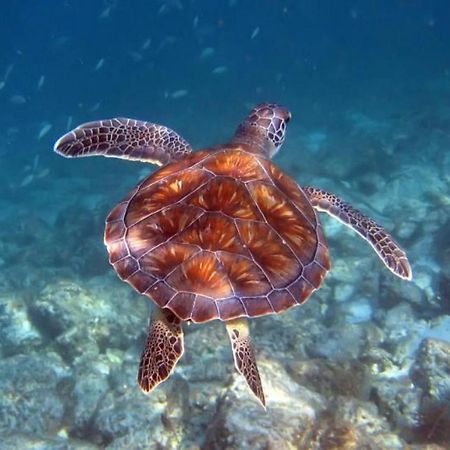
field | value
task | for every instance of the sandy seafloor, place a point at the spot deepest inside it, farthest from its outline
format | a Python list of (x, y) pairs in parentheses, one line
[(364, 364)]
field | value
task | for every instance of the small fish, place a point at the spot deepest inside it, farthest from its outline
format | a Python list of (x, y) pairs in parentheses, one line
[(219, 70), (346, 184), (18, 100), (99, 64), (35, 162), (69, 123), (255, 33), (95, 107), (207, 52), (8, 72), (168, 40), (146, 44), (60, 42), (12, 131), (195, 22), (44, 130), (136, 56), (41, 82), (2, 85), (105, 13), (430, 22), (43, 173), (179, 93), (178, 4), (27, 180), (163, 9)]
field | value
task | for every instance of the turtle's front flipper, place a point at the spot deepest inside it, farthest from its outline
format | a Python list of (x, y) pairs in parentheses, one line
[(162, 351), (387, 249), (244, 356), (124, 138)]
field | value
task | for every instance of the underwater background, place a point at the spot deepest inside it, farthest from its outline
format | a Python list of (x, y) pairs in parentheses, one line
[(365, 363)]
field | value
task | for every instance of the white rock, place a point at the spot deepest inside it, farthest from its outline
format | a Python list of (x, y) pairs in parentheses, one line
[(359, 311), (343, 292)]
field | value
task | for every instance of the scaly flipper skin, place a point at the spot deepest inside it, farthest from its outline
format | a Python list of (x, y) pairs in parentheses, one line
[(124, 138), (163, 349), (384, 245), (244, 356)]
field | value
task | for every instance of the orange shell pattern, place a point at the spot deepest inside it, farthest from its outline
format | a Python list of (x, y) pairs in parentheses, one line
[(219, 235)]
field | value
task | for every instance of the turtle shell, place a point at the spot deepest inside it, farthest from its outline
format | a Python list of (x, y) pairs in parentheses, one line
[(221, 234)]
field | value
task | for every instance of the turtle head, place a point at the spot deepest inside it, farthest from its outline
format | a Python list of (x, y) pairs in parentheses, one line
[(264, 128)]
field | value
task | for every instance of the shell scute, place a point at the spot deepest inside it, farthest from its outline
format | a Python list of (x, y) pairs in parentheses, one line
[(118, 213), (174, 167), (167, 257), (301, 290), (161, 293), (114, 231), (281, 300), (141, 281), (269, 251), (285, 219), (314, 274), (183, 303), (257, 306), (230, 308), (164, 193), (322, 256), (225, 195), (212, 231), (245, 276), (290, 188), (159, 228), (201, 274), (238, 165), (205, 309), (117, 250), (126, 266)]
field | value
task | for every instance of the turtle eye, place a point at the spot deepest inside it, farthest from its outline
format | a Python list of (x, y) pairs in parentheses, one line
[(282, 113)]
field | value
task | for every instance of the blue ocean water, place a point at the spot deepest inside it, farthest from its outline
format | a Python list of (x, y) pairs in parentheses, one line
[(365, 363)]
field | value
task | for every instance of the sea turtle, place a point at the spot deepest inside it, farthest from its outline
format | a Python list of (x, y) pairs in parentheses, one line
[(221, 233)]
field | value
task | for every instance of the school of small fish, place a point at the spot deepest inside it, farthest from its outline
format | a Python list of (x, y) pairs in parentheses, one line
[(146, 51)]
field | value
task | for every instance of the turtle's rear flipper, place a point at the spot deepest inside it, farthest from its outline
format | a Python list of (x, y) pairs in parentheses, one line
[(124, 138), (244, 356), (386, 248), (163, 349)]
